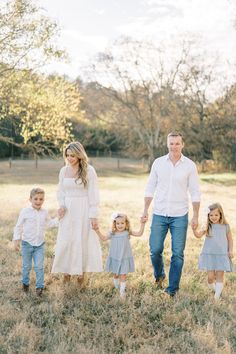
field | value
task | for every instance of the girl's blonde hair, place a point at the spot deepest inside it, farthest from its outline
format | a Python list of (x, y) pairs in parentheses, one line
[(127, 223), (222, 220), (78, 150)]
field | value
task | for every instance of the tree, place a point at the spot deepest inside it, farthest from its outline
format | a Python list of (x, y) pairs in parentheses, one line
[(135, 76), (27, 37)]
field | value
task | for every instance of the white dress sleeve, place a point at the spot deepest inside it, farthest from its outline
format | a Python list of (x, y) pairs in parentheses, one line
[(93, 192), (60, 188)]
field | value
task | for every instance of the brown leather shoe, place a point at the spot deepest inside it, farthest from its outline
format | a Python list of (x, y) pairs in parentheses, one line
[(160, 283), (66, 278), (39, 291), (25, 288)]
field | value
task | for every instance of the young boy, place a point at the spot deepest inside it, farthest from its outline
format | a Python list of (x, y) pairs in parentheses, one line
[(30, 230)]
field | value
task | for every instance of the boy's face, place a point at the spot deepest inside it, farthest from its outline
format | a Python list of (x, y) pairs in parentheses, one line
[(37, 200)]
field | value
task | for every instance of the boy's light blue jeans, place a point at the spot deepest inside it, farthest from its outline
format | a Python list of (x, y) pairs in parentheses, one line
[(36, 253), (178, 228)]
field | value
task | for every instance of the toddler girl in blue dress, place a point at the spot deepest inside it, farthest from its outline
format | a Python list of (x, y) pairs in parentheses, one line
[(217, 250), (120, 259)]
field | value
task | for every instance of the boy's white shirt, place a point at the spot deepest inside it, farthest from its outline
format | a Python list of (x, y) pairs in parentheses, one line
[(32, 224)]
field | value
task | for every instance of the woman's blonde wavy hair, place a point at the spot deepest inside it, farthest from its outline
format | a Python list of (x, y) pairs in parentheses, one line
[(78, 150), (222, 220)]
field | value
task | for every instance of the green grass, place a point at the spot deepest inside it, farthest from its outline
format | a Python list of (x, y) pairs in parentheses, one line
[(92, 319)]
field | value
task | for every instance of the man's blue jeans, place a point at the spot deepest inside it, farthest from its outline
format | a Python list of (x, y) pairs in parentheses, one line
[(35, 253), (178, 228)]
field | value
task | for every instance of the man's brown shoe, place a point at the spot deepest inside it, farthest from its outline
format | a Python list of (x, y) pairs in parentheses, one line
[(39, 291), (25, 288), (160, 283)]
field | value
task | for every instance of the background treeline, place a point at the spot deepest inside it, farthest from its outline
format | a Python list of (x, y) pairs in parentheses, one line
[(130, 96)]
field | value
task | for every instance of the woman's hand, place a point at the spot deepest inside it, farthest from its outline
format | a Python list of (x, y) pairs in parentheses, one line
[(94, 223), (61, 212), (231, 255)]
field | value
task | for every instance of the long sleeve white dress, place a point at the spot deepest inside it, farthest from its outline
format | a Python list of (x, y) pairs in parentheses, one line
[(77, 248)]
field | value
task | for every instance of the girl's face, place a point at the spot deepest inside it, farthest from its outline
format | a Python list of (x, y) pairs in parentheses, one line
[(120, 224), (71, 158), (214, 216)]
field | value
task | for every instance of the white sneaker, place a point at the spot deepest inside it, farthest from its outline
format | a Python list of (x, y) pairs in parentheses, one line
[(122, 294)]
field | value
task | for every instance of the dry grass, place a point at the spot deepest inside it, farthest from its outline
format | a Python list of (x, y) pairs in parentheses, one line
[(92, 319)]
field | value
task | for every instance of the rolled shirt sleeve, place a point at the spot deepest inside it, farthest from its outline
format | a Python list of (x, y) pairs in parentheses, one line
[(93, 193), (194, 186), (18, 229)]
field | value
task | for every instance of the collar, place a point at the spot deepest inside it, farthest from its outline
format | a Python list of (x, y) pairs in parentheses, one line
[(182, 157)]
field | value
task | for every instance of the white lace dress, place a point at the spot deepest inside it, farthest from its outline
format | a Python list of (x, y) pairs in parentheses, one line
[(77, 248)]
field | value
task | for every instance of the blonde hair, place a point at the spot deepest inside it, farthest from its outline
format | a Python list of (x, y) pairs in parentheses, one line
[(222, 220), (35, 191), (127, 223), (78, 150)]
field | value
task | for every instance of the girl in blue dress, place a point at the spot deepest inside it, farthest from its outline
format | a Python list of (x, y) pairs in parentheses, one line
[(120, 259), (217, 250)]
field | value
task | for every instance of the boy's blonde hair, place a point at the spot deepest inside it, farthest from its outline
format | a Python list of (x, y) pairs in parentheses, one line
[(35, 191), (222, 220), (127, 223)]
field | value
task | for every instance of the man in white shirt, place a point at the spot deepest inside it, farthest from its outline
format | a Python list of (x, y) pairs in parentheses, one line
[(171, 178), (30, 230)]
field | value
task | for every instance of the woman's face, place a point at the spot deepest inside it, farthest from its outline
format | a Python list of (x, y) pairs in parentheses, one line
[(71, 158)]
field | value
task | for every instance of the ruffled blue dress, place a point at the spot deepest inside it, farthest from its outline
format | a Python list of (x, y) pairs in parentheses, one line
[(120, 258), (214, 254)]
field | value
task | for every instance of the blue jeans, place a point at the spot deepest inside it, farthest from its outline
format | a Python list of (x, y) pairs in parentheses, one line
[(36, 253), (178, 228)]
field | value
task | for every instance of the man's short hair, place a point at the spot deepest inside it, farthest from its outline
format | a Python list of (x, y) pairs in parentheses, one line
[(35, 191), (175, 134)]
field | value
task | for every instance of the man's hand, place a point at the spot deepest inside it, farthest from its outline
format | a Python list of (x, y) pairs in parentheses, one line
[(16, 245), (194, 223)]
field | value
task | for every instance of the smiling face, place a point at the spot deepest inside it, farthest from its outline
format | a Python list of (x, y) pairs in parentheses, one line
[(37, 200), (71, 158), (175, 145), (120, 223), (214, 216)]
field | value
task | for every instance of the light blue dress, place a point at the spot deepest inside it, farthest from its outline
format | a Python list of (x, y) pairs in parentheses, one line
[(214, 254), (120, 258)]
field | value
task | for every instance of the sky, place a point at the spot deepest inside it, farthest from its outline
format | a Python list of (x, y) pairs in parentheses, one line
[(89, 26)]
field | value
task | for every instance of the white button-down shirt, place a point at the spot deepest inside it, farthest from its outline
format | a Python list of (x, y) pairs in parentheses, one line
[(169, 184), (32, 224)]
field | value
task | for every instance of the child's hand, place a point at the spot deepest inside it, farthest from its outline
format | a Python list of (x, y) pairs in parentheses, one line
[(16, 245), (61, 212), (143, 219), (231, 255)]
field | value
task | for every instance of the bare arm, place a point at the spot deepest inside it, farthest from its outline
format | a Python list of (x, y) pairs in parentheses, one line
[(102, 236), (147, 202), (230, 244), (141, 230), (194, 221)]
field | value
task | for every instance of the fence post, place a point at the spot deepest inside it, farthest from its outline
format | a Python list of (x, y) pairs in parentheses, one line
[(10, 162), (118, 163), (36, 160)]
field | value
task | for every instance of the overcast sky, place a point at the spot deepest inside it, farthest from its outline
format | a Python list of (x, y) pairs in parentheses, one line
[(88, 26)]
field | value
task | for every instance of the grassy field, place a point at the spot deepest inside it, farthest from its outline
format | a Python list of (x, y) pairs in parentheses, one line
[(92, 319)]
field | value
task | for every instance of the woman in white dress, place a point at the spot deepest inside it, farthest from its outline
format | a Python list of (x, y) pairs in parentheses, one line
[(77, 248)]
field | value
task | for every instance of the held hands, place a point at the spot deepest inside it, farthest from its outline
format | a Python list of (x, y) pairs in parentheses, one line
[(94, 224), (231, 255), (16, 245), (144, 217), (61, 212), (194, 223)]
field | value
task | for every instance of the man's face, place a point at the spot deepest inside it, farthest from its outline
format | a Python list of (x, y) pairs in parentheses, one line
[(175, 144)]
